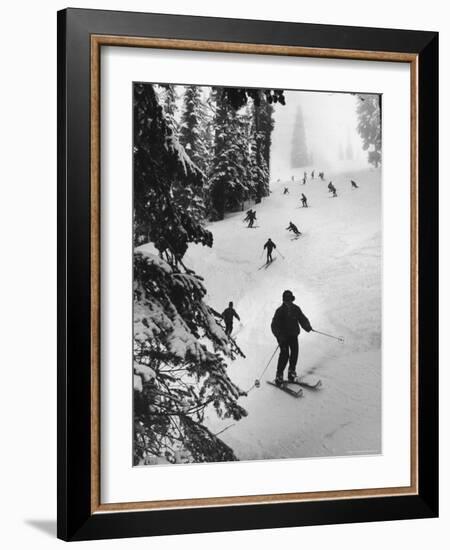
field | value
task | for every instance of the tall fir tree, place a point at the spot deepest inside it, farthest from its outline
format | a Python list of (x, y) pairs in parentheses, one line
[(240, 167), (169, 101), (180, 346), (299, 153), (227, 177), (369, 126), (194, 121), (263, 128)]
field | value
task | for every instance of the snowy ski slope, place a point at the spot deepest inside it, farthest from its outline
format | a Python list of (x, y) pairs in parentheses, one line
[(334, 269)]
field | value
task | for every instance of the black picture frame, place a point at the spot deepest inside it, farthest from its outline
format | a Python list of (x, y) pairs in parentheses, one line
[(76, 520)]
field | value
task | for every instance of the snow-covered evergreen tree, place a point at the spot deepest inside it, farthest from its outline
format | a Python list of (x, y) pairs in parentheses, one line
[(180, 345), (299, 153), (228, 183), (169, 102), (369, 126), (240, 168), (192, 129), (238, 97), (266, 126), (263, 127)]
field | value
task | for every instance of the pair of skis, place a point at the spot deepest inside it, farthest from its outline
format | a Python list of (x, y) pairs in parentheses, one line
[(295, 388), (266, 264)]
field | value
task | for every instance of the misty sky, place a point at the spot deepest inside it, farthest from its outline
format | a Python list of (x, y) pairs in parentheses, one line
[(330, 122)]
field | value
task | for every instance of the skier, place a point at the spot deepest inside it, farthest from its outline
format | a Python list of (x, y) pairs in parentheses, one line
[(292, 227), (304, 201), (248, 215), (286, 191), (252, 218), (285, 327), (312, 175), (270, 245), (304, 180), (305, 175), (227, 315), (354, 184), (321, 176), (332, 189)]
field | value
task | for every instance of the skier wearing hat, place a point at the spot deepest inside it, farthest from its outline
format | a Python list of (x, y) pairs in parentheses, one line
[(285, 326), (269, 246), (228, 314), (292, 227)]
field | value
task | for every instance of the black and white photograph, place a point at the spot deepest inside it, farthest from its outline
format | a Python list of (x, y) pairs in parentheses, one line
[(257, 273), (225, 246)]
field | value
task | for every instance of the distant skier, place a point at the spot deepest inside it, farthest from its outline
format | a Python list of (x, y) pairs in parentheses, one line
[(321, 176), (304, 180), (269, 246), (292, 178), (305, 175), (304, 201), (292, 227), (286, 191), (252, 218), (354, 184), (332, 189), (285, 327), (312, 175), (227, 315), (248, 215)]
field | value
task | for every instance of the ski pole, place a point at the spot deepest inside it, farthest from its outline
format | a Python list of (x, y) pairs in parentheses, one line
[(257, 381), (280, 254), (339, 338)]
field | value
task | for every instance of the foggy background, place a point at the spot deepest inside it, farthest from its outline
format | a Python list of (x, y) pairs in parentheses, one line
[(330, 122)]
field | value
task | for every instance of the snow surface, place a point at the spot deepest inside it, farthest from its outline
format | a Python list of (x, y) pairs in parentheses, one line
[(334, 270)]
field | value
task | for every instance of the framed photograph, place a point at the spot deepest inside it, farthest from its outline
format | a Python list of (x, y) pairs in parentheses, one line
[(248, 298)]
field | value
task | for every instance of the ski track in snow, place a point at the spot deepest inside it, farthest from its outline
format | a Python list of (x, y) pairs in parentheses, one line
[(334, 270)]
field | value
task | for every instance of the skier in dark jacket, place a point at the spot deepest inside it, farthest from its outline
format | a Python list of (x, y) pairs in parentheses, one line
[(248, 215), (285, 327), (270, 245), (227, 315), (304, 201), (286, 191), (292, 227), (332, 189), (354, 184), (252, 218)]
